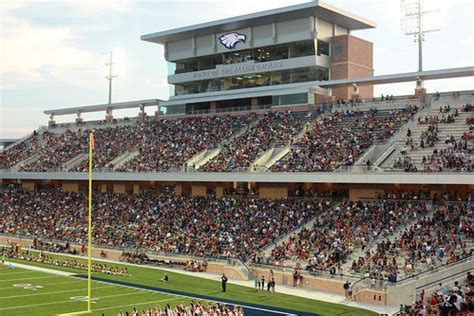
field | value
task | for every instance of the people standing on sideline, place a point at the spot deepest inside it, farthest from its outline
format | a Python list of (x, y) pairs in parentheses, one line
[(262, 283), (349, 292), (257, 283), (346, 288), (273, 287), (224, 282)]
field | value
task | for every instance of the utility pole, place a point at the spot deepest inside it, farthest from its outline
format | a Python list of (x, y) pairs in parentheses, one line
[(110, 76)]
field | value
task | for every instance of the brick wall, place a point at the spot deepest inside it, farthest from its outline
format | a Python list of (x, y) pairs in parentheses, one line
[(351, 57)]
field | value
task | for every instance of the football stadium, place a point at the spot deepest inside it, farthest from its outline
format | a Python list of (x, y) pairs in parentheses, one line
[(272, 181)]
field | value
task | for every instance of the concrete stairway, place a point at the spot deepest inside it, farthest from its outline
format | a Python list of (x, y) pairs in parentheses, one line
[(378, 104), (269, 158), (202, 158), (74, 161), (268, 249), (276, 153), (25, 162), (358, 252), (455, 129), (124, 158)]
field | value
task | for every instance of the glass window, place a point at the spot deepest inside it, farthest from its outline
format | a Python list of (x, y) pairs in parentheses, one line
[(323, 48), (253, 80), (301, 49), (261, 54), (299, 98)]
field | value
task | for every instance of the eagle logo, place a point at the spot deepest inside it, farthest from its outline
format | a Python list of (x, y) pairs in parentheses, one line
[(229, 40)]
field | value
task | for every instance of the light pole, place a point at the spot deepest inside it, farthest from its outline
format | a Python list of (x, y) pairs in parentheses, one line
[(110, 76), (414, 22)]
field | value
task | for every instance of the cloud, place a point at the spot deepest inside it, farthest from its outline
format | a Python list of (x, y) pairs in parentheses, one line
[(34, 52)]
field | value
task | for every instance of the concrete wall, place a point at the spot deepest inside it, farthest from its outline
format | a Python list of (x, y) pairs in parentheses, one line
[(28, 185), (323, 284), (199, 190), (273, 190), (70, 187), (119, 188)]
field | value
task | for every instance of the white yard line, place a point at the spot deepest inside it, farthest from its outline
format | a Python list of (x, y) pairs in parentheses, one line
[(35, 278), (51, 284), (16, 273), (40, 269), (200, 299), (53, 292), (68, 301), (178, 296)]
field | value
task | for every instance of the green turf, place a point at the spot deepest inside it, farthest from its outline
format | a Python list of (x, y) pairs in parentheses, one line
[(207, 287), (55, 295)]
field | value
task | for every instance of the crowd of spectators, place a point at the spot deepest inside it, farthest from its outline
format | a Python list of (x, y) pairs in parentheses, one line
[(58, 149), (64, 262), (341, 228), (429, 242), (405, 163), (162, 144), (19, 152), (171, 143), (273, 129), (192, 309), (340, 138), (444, 301), (198, 226)]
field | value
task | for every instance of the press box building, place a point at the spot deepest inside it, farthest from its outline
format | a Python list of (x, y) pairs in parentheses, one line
[(274, 57)]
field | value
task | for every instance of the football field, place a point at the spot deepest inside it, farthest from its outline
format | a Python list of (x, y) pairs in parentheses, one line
[(58, 290), (25, 292)]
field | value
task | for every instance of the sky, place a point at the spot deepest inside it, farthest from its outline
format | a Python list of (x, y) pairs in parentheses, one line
[(52, 53)]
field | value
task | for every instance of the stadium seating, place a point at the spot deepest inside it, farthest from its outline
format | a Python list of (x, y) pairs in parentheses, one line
[(344, 227), (340, 139), (199, 226), (273, 129), (441, 141)]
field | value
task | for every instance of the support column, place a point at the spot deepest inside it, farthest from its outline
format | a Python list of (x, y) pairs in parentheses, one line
[(108, 115), (219, 191), (273, 191), (420, 89), (355, 92), (119, 188), (157, 112), (142, 114), (103, 188), (213, 106), (136, 189), (199, 190), (51, 122), (179, 190), (28, 186), (70, 187), (79, 119)]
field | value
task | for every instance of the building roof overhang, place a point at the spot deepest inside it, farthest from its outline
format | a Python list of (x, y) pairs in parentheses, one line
[(315, 8)]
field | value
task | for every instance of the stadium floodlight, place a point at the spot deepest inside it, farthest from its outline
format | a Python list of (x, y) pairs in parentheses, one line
[(119, 55), (420, 17)]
